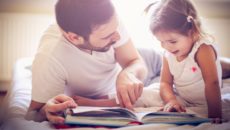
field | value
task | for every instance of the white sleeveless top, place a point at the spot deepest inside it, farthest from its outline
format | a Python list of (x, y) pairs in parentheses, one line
[(187, 76)]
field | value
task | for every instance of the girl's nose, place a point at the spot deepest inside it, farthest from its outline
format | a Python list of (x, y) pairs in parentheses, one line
[(166, 46), (163, 45), (115, 37)]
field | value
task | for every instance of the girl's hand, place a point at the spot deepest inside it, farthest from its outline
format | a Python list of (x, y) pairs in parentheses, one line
[(174, 106), (217, 120)]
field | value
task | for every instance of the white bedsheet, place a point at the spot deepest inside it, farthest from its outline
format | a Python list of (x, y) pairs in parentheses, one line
[(20, 96)]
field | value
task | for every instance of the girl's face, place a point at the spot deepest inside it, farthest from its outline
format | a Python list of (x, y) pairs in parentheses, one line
[(175, 43)]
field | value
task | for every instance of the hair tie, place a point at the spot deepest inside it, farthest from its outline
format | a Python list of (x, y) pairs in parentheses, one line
[(189, 18)]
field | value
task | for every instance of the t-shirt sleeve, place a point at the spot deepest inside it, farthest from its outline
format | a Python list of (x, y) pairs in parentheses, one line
[(124, 36), (48, 78)]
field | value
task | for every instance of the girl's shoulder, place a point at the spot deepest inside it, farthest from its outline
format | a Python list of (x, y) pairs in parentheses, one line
[(205, 49), (202, 45)]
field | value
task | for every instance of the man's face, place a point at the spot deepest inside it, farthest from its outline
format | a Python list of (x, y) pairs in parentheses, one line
[(103, 36)]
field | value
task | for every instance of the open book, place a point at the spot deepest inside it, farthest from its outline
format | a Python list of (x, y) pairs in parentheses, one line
[(118, 117)]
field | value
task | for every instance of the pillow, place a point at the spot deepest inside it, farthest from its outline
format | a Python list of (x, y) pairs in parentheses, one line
[(19, 94)]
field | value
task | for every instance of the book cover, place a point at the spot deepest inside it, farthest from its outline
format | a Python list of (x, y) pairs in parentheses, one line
[(118, 117)]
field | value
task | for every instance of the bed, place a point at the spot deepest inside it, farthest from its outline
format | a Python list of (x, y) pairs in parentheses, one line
[(20, 94)]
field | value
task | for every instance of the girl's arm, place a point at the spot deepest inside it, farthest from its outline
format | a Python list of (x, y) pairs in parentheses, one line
[(166, 90), (206, 59)]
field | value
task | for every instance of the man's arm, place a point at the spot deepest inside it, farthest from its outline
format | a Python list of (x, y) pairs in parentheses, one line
[(51, 110), (129, 81), (34, 113), (103, 102)]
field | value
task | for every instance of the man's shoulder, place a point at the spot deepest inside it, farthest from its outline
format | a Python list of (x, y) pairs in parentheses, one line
[(51, 33), (50, 41)]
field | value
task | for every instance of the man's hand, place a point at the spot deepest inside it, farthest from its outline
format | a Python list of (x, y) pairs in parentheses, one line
[(129, 89), (56, 106)]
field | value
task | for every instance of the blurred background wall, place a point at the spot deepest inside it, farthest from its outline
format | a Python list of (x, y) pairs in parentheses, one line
[(22, 23)]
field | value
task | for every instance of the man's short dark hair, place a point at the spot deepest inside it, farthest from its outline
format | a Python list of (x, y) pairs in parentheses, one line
[(81, 16)]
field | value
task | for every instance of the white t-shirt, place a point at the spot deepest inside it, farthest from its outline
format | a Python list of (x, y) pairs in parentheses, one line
[(60, 67), (187, 76)]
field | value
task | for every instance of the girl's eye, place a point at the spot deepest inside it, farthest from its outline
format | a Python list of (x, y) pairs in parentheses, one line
[(173, 42)]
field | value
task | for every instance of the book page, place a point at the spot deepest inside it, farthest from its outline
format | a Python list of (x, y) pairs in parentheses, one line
[(81, 109), (103, 112), (140, 112)]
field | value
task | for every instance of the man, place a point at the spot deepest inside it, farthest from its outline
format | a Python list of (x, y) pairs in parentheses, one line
[(80, 57)]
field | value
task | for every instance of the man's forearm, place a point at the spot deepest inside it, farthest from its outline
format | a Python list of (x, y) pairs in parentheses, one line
[(138, 68), (36, 112), (34, 115)]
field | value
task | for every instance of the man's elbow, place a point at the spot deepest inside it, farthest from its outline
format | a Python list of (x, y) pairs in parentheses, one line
[(34, 112)]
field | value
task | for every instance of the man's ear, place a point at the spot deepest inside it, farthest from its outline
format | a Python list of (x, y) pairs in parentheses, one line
[(74, 38)]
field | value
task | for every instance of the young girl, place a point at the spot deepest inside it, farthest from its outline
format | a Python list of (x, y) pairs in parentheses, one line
[(191, 71)]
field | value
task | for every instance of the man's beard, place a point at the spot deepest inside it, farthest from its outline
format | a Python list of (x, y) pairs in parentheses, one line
[(90, 47)]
